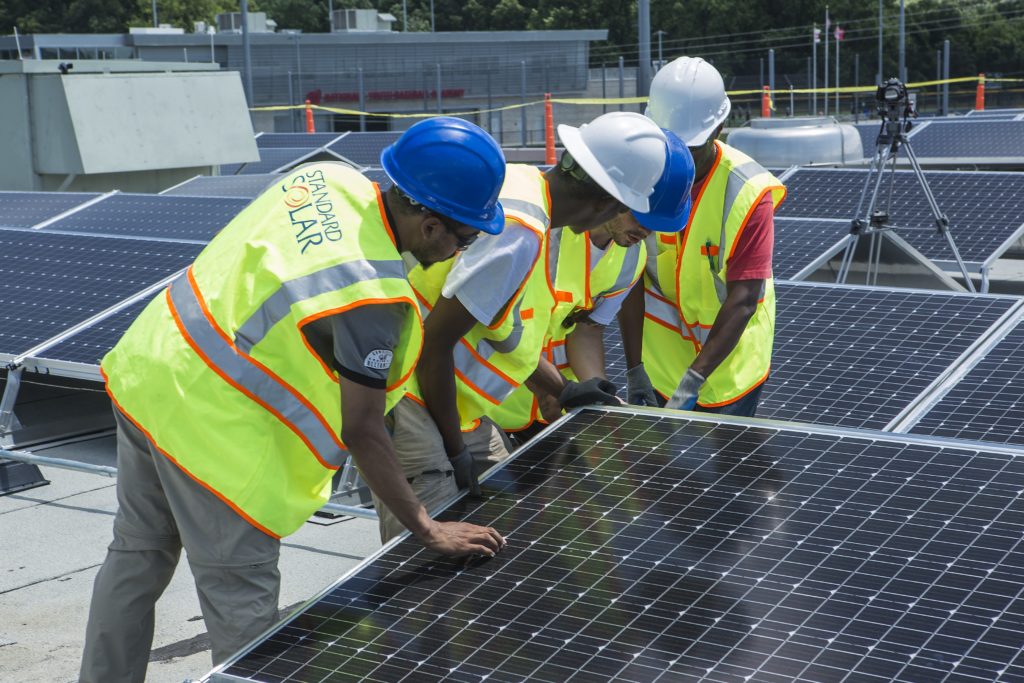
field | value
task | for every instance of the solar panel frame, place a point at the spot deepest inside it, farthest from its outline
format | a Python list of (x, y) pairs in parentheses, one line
[(790, 539), (984, 399)]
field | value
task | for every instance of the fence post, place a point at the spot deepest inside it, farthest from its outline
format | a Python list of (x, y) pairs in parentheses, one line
[(622, 79), (522, 98), (549, 131), (362, 102)]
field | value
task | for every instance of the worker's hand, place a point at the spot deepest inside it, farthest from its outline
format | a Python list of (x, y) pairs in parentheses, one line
[(550, 408), (685, 396), (461, 538), (595, 390), (466, 472), (639, 391)]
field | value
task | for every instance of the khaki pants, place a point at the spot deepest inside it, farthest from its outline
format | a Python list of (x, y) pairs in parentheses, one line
[(420, 450), (161, 510)]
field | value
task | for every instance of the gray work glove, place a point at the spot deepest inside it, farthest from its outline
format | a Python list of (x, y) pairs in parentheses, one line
[(685, 396), (639, 391), (466, 473), (595, 390)]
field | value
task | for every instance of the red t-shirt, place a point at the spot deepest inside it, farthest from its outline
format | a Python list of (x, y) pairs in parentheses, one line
[(752, 257)]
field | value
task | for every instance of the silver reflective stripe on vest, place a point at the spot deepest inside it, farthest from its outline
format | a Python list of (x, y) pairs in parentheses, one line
[(554, 248), (526, 208), (487, 347), (482, 377), (278, 306), (661, 311), (559, 356), (250, 377), (625, 276), (738, 178)]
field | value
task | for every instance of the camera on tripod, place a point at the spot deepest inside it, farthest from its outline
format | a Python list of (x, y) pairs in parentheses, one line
[(895, 102)]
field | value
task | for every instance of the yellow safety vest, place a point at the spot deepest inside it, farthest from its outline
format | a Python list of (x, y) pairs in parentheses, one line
[(216, 370), (685, 285), (577, 289), (491, 361)]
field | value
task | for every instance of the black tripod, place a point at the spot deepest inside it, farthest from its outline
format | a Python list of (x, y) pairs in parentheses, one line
[(891, 138)]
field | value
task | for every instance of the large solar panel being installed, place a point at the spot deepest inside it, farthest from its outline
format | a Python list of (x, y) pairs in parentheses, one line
[(51, 282), (25, 209), (651, 547), (856, 356), (155, 217), (987, 404), (985, 210)]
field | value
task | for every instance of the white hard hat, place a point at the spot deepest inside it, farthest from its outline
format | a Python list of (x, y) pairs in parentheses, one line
[(688, 97), (623, 152)]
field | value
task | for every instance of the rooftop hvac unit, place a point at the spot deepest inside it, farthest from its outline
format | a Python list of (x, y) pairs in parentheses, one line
[(231, 22), (362, 20)]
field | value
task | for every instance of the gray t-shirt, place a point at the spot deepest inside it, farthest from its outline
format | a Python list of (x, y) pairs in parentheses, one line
[(360, 342)]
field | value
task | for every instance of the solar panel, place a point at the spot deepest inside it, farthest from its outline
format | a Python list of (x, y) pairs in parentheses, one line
[(25, 209), (364, 148), (988, 403), (225, 186), (309, 141), (158, 217), (856, 356), (994, 113), (985, 209), (977, 139), (798, 243), (51, 282), (651, 547), (868, 136), (378, 176), (274, 158), (90, 345)]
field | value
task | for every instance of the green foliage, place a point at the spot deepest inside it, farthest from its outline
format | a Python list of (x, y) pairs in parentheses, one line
[(986, 35)]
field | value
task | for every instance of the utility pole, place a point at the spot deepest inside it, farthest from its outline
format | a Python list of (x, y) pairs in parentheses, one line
[(880, 68), (247, 54), (771, 71), (827, 29), (405, 15), (945, 76), (156, 22), (643, 81), (431, 16), (903, 43)]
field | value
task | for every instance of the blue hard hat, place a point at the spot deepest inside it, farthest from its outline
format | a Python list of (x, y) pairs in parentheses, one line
[(450, 166), (670, 201)]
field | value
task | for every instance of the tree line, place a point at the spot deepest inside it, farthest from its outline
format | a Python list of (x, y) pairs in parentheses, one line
[(985, 35)]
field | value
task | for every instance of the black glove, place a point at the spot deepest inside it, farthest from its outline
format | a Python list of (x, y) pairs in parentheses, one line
[(466, 473), (595, 390), (639, 391)]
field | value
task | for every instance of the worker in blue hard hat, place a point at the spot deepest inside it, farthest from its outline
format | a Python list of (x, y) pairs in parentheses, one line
[(487, 311), (592, 273), (243, 387)]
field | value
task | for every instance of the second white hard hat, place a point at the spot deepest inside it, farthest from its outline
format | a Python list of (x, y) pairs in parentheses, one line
[(623, 152), (688, 97)]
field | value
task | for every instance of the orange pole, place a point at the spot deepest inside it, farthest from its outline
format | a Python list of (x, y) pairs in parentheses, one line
[(310, 128), (979, 96), (766, 103), (549, 131)]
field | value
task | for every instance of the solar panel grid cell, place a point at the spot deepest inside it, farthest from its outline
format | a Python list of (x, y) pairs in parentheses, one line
[(984, 209), (364, 148), (988, 403), (798, 243), (155, 217), (51, 282), (225, 186), (646, 548), (91, 344), (975, 139), (25, 209)]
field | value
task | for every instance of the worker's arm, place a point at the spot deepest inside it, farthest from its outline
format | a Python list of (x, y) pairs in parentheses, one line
[(739, 307), (367, 440), (584, 349), (447, 323)]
